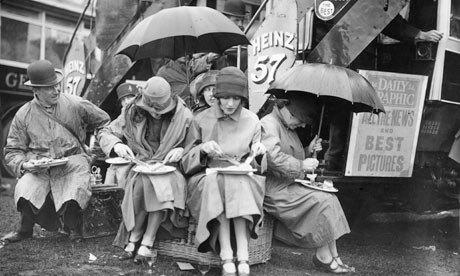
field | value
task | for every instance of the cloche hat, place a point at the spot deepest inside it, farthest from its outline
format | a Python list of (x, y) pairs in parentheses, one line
[(231, 81), (156, 95)]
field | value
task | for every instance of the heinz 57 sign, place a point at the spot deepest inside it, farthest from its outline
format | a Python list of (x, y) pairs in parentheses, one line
[(273, 49)]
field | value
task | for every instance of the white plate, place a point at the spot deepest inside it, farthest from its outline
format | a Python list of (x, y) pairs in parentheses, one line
[(159, 170), (117, 161), (53, 163), (307, 183), (234, 171)]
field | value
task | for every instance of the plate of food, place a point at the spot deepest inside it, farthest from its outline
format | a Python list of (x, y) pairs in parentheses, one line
[(326, 186), (240, 169), (117, 161), (157, 168), (46, 162)]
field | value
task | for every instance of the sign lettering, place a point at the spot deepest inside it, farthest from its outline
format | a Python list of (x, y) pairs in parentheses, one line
[(272, 50), (75, 69), (384, 145), (13, 79), (328, 9)]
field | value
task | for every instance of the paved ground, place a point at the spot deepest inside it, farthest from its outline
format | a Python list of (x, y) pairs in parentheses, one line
[(428, 248)]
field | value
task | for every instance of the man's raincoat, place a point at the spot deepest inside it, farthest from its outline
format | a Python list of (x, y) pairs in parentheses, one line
[(34, 135)]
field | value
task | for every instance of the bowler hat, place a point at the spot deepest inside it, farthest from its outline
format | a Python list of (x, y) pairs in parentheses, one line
[(126, 89), (42, 73), (156, 96), (231, 81), (234, 8)]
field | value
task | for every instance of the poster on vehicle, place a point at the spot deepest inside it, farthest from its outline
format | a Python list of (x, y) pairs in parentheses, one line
[(75, 69), (272, 50), (384, 145)]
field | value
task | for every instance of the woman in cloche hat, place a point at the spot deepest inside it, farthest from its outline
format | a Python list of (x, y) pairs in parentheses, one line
[(221, 136)]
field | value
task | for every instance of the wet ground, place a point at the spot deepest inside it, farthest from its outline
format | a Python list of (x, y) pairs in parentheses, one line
[(423, 248)]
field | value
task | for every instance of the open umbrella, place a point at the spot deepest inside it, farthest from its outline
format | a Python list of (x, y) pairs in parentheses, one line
[(175, 32), (329, 83)]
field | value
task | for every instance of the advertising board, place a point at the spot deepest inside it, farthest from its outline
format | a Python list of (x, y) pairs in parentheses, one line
[(384, 145), (273, 49)]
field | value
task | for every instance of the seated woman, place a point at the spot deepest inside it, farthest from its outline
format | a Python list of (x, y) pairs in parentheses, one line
[(202, 90), (154, 125), (305, 217), (225, 132)]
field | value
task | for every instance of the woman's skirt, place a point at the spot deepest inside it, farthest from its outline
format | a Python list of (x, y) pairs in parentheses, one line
[(214, 194), (305, 217), (153, 193)]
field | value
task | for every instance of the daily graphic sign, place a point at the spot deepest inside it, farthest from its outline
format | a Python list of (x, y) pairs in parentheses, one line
[(273, 49), (384, 145)]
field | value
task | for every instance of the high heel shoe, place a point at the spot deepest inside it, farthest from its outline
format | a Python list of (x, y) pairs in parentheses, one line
[(231, 269), (144, 254), (129, 251), (243, 268), (330, 267), (339, 262)]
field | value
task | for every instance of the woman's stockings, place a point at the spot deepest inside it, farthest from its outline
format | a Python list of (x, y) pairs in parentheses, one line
[(242, 243), (148, 236), (226, 252)]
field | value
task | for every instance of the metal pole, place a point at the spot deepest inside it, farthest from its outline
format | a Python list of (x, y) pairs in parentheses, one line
[(246, 29), (262, 6), (80, 19)]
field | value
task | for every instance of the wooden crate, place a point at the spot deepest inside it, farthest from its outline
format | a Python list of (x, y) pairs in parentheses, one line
[(102, 216), (185, 249)]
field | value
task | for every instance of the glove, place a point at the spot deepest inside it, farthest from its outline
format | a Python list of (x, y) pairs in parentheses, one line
[(174, 155), (123, 150), (310, 164), (211, 148), (258, 149)]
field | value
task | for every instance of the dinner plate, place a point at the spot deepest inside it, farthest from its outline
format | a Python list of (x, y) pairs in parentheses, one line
[(234, 171), (52, 163), (117, 161), (156, 170), (307, 183)]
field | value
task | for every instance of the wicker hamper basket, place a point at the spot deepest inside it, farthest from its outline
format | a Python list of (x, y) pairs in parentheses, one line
[(185, 249)]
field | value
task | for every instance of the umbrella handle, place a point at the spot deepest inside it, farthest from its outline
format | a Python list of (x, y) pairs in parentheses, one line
[(321, 120)]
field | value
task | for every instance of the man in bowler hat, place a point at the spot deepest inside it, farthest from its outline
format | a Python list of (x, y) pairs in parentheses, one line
[(51, 125)]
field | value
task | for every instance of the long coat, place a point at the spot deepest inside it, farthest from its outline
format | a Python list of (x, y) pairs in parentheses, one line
[(34, 135), (305, 217), (149, 193), (211, 194)]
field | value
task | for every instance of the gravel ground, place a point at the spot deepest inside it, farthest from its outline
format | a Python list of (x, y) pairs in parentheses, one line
[(383, 249)]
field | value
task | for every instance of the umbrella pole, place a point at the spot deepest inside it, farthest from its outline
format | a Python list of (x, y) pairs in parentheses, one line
[(314, 155), (321, 120)]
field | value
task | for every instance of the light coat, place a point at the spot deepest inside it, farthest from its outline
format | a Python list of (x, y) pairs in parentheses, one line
[(34, 135)]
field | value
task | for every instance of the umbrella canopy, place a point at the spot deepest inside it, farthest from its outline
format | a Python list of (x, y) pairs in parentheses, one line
[(175, 32), (329, 81)]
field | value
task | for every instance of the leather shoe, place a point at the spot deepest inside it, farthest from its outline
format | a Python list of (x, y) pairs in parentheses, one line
[(16, 237)]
